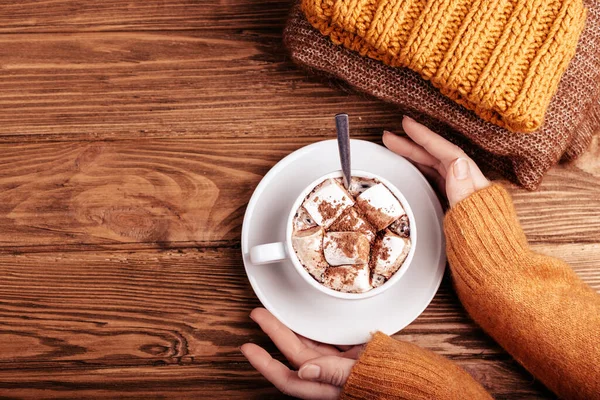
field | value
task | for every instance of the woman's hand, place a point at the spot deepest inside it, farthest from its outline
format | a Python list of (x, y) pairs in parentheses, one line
[(322, 369), (441, 161)]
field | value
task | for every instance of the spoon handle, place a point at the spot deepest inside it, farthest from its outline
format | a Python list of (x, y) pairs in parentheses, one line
[(343, 138)]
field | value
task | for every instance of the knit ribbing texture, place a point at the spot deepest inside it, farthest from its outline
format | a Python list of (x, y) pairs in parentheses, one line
[(503, 59), (533, 305), (571, 119), (392, 369)]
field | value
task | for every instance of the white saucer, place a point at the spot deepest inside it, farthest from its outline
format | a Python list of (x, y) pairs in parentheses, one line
[(304, 309)]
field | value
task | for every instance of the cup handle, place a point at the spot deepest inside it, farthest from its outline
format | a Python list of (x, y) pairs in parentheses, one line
[(268, 253)]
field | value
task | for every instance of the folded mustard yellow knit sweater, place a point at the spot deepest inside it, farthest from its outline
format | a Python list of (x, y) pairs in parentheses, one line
[(502, 59), (534, 306)]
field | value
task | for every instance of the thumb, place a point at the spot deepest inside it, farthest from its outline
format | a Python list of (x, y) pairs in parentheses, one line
[(328, 369), (459, 181)]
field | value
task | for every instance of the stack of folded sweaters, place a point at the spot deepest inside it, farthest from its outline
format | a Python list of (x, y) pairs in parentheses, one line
[(515, 84)]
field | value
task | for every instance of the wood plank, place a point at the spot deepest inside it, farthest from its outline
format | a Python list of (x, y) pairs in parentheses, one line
[(561, 211), (142, 307), (115, 15), (128, 84), (210, 381), (181, 193), (110, 192), (99, 323), (233, 380)]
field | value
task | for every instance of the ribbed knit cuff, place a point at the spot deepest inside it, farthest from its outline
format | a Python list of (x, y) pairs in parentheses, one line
[(392, 369), (483, 232)]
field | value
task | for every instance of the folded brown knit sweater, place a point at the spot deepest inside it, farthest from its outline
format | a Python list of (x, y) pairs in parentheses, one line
[(501, 59), (571, 119)]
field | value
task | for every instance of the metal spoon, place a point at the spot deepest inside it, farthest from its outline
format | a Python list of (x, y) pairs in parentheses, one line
[(343, 139)]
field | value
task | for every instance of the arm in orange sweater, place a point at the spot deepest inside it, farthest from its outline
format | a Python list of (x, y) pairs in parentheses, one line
[(393, 369), (533, 305)]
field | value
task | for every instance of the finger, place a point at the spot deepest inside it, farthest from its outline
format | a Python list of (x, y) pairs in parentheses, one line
[(429, 166), (434, 178), (434, 144), (328, 369), (345, 347), (353, 353), (409, 149), (285, 380), (323, 349), (479, 180), (442, 149), (459, 182), (286, 341)]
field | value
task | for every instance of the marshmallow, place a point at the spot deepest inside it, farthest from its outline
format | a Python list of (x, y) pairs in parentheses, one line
[(401, 226), (359, 185), (379, 206), (348, 278), (351, 221), (308, 245), (342, 248), (302, 220), (327, 202), (389, 252)]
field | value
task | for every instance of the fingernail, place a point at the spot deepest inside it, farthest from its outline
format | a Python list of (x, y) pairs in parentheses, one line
[(406, 117), (387, 132), (461, 169), (309, 371)]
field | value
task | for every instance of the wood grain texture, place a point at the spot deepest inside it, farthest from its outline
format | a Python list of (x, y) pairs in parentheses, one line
[(134, 15), (186, 192), (167, 84), (137, 307), (132, 134), (108, 321), (233, 380), (208, 381)]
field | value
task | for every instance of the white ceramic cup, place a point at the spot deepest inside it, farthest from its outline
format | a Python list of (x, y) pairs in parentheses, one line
[(279, 251)]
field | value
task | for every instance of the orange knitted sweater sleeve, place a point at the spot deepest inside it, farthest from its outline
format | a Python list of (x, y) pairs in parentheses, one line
[(533, 305), (393, 369)]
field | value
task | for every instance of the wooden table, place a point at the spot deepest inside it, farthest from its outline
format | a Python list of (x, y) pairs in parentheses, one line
[(132, 134)]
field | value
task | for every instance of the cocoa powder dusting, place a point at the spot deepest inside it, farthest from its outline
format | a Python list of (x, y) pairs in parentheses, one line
[(355, 222), (379, 251), (374, 215), (384, 253), (345, 223), (346, 275), (352, 221), (327, 210), (346, 244), (350, 276)]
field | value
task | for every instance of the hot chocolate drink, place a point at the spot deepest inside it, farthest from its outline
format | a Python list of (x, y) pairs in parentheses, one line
[(351, 240)]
